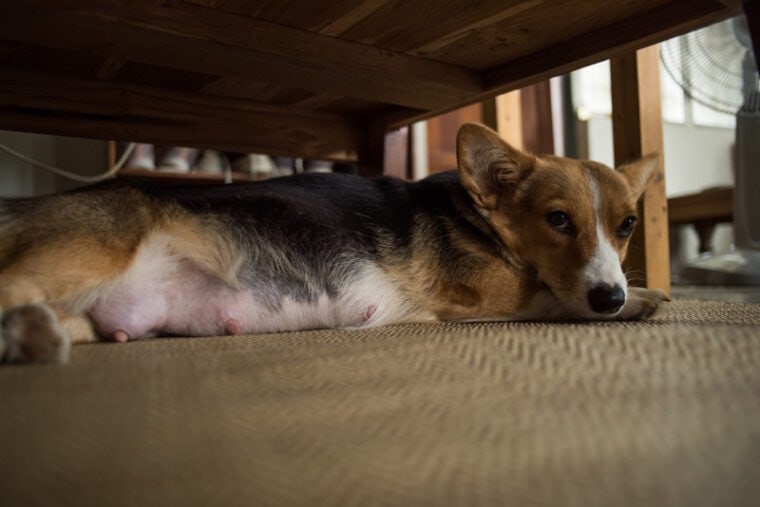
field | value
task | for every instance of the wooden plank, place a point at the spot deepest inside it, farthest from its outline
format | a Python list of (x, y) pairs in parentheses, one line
[(331, 18), (341, 24), (191, 178), (199, 39), (442, 136), (715, 204), (38, 103), (537, 135), (385, 152), (372, 154), (426, 25), (509, 122), (637, 131), (397, 160), (647, 28)]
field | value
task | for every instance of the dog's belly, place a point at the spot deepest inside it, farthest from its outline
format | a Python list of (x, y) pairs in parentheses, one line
[(161, 295)]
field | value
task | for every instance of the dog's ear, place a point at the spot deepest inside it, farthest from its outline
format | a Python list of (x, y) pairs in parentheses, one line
[(638, 174), (488, 166)]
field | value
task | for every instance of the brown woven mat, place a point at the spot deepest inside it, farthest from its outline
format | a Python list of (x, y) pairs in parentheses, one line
[(665, 412)]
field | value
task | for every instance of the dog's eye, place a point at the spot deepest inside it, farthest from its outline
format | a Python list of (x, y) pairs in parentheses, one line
[(559, 221), (626, 228)]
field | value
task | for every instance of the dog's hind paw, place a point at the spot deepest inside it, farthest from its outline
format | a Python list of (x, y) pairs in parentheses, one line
[(642, 303), (33, 334)]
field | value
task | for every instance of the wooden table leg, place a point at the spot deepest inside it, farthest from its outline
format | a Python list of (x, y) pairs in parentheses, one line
[(637, 125), (385, 152)]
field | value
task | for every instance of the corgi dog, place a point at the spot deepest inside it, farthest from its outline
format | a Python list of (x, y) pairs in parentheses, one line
[(509, 236)]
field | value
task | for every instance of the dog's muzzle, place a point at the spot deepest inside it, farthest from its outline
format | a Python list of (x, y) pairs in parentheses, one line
[(605, 298)]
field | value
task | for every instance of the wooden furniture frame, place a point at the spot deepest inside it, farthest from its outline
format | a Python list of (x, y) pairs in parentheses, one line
[(325, 80), (704, 211)]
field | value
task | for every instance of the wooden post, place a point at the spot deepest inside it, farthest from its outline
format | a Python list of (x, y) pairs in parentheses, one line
[(536, 102), (509, 118), (385, 152), (637, 126)]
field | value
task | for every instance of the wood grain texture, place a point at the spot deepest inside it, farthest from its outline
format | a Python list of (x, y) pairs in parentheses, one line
[(384, 62), (585, 48), (637, 131), (715, 204), (509, 122), (199, 39), (36, 103)]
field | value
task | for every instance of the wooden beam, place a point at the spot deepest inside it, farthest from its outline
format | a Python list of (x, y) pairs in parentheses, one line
[(536, 103), (397, 154), (38, 103), (195, 38), (637, 131), (650, 27), (716, 204), (385, 152), (509, 118)]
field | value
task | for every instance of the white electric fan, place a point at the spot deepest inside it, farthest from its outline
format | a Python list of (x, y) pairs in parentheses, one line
[(715, 66)]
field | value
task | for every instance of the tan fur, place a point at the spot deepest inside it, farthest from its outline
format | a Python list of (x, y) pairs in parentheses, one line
[(59, 254), (515, 190)]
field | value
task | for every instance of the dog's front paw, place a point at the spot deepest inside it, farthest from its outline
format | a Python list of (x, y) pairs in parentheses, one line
[(32, 334), (642, 303)]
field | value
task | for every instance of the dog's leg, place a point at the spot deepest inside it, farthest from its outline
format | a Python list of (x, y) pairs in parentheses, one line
[(641, 303), (543, 306), (35, 333), (68, 276)]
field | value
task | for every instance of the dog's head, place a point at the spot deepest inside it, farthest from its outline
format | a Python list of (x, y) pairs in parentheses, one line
[(568, 220)]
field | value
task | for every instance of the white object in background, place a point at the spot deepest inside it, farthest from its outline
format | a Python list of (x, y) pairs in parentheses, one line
[(211, 162), (317, 166), (178, 160), (255, 165), (142, 157)]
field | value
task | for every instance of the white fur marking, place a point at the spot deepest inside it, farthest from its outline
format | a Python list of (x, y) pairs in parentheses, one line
[(604, 266), (162, 292)]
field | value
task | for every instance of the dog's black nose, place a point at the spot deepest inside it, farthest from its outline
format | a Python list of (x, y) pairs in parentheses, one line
[(604, 298)]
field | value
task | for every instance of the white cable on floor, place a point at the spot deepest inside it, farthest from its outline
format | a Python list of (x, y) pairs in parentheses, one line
[(66, 174)]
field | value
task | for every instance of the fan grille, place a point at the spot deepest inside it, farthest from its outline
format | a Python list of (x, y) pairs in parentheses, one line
[(708, 65)]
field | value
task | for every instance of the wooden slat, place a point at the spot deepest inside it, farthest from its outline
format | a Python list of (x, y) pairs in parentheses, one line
[(359, 12), (637, 131), (425, 25), (538, 135), (397, 158), (509, 118), (199, 39), (324, 17), (37, 103), (529, 30), (584, 49), (645, 29), (715, 205)]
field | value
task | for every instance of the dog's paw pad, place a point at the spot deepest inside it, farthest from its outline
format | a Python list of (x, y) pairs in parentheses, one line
[(32, 334)]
